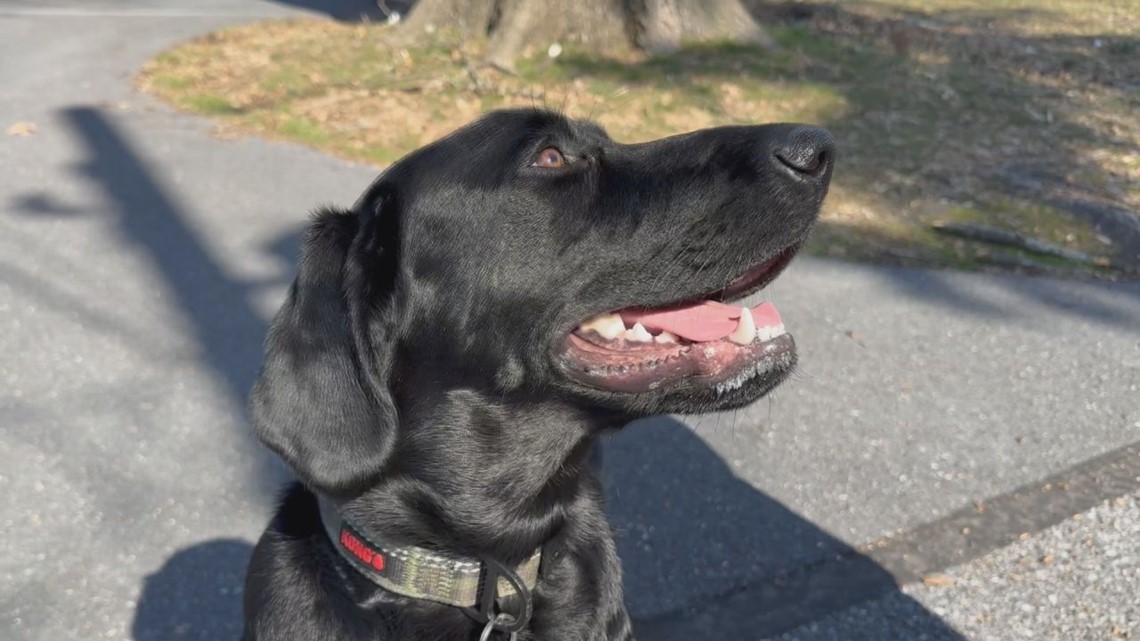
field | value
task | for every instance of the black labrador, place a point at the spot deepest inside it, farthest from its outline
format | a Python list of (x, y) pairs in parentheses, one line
[(453, 344)]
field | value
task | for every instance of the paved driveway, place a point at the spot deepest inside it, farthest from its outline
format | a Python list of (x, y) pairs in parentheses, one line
[(968, 417)]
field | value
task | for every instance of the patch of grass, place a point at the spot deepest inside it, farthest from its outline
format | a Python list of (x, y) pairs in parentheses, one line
[(305, 131), (288, 80), (380, 155), (172, 83), (210, 104), (990, 111)]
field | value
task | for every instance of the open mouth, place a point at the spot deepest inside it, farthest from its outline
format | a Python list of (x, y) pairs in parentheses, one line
[(698, 344)]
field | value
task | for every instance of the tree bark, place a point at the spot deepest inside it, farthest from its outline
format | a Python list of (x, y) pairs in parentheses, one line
[(664, 26), (468, 17), (516, 27)]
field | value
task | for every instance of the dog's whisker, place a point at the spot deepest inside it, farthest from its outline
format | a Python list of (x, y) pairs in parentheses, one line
[(611, 106), (735, 416), (593, 105)]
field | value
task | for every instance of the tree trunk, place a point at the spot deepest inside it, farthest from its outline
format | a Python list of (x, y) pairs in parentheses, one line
[(517, 27), (663, 26), (468, 17)]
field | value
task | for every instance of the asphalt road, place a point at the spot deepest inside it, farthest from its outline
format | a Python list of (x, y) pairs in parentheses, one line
[(967, 417)]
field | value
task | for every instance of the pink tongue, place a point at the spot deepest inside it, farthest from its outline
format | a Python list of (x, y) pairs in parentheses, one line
[(704, 321)]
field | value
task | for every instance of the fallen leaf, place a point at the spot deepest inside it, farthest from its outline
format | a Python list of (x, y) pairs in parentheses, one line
[(22, 128), (937, 581)]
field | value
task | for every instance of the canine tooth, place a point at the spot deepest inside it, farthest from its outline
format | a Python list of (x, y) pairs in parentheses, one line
[(666, 337), (638, 333), (609, 326), (745, 332)]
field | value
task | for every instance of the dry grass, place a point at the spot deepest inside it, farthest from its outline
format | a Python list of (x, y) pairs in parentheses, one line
[(1019, 114)]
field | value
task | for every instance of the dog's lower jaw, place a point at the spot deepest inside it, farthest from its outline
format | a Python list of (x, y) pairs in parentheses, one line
[(297, 581)]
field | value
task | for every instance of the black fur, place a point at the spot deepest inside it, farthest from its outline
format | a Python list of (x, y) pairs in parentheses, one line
[(412, 375)]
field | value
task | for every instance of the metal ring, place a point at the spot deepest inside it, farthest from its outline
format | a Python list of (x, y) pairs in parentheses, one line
[(487, 630), (511, 622), (492, 627)]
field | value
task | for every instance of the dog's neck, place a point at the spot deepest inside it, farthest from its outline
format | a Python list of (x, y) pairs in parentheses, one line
[(475, 476)]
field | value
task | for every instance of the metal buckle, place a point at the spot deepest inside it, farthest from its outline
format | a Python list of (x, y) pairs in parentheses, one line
[(508, 622)]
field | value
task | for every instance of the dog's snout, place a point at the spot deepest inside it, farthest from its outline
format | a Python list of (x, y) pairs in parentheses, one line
[(807, 151)]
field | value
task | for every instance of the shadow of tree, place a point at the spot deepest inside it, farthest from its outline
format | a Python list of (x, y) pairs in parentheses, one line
[(999, 296), (220, 316), (353, 10), (1110, 304), (706, 555)]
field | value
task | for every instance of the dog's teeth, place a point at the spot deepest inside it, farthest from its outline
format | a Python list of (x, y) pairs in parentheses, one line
[(609, 326), (745, 332), (770, 332), (666, 337), (638, 333)]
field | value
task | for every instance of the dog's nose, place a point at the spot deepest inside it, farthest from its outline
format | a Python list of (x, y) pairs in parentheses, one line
[(807, 151)]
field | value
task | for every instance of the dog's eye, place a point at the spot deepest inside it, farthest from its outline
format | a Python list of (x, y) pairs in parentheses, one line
[(549, 158)]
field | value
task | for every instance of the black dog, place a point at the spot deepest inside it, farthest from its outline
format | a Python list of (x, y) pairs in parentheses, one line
[(453, 344)]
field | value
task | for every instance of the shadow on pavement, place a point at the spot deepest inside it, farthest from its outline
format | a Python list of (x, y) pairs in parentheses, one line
[(196, 595), (215, 305), (1106, 303), (352, 10), (707, 556)]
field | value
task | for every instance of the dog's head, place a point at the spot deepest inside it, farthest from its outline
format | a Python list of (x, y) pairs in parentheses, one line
[(530, 254)]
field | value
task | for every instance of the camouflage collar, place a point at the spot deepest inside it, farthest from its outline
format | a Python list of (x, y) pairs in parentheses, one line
[(423, 574)]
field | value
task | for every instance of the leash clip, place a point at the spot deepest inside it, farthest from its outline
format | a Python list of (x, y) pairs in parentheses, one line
[(507, 622)]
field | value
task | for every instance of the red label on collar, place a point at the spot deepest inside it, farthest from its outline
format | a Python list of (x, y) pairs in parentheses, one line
[(361, 550)]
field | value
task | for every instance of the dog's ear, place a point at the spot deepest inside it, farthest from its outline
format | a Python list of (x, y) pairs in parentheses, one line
[(322, 400)]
